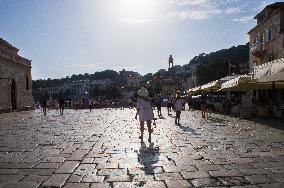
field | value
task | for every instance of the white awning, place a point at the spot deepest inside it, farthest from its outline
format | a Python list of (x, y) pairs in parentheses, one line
[(269, 72), (277, 77), (240, 83), (193, 90), (210, 86)]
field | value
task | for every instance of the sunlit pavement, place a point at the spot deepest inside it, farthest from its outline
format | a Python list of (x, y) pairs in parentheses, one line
[(101, 149)]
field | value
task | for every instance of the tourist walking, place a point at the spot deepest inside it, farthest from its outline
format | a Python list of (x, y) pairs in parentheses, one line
[(158, 103), (203, 102), (145, 112), (170, 104), (183, 103), (130, 102), (177, 107), (90, 102), (44, 105), (61, 102)]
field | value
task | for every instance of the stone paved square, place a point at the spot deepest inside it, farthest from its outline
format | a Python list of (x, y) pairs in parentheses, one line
[(101, 149)]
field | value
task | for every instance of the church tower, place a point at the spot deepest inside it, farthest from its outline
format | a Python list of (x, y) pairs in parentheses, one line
[(171, 61)]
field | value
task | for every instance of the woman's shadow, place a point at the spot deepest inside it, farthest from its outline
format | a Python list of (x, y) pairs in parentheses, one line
[(188, 129), (148, 156)]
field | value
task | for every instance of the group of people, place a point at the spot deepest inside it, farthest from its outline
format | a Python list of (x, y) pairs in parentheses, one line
[(59, 104), (146, 114)]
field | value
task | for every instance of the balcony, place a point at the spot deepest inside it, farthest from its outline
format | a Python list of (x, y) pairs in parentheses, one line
[(258, 50)]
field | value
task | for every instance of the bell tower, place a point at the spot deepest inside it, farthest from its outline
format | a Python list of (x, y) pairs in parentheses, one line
[(171, 61)]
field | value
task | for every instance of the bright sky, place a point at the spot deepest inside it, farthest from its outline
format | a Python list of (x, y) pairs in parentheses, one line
[(77, 36)]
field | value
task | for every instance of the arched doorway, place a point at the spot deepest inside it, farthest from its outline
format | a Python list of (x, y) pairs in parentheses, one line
[(13, 94)]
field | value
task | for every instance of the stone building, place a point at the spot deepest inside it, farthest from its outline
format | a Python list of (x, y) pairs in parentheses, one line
[(133, 80), (15, 79), (267, 37)]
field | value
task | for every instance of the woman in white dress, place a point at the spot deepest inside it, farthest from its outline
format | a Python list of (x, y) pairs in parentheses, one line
[(145, 112)]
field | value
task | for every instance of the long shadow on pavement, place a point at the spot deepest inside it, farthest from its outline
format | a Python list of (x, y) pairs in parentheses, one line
[(148, 156), (188, 129), (217, 120)]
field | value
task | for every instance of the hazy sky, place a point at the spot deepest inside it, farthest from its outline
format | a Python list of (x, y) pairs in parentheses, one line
[(65, 37)]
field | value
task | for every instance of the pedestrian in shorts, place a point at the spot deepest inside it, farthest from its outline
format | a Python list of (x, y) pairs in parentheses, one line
[(145, 112), (177, 103)]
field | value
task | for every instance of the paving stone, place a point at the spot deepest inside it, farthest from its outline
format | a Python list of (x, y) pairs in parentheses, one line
[(78, 155), (76, 185), (196, 174), (233, 181), (100, 185), (210, 167), (256, 171), (93, 178), (19, 185), (156, 184), (246, 186), (143, 177), (178, 183), (119, 178), (167, 176), (224, 173), (174, 168), (19, 165), (34, 178), (67, 167), (8, 171), (35, 171), (85, 169), (48, 165), (274, 185), (56, 180), (277, 177), (126, 184), (111, 172), (107, 165), (259, 179), (10, 178), (87, 160), (90, 148), (74, 178), (202, 182)]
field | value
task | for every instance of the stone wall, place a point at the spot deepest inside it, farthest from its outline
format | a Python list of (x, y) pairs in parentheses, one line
[(17, 68), (272, 49)]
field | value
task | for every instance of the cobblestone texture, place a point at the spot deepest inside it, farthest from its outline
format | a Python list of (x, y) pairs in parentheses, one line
[(101, 149)]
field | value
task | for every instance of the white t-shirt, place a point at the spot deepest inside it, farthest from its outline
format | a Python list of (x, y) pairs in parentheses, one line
[(146, 110)]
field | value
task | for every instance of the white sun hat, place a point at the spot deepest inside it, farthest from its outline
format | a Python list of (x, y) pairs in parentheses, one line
[(142, 92)]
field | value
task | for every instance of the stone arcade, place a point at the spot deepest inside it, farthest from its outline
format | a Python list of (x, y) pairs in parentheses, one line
[(15, 79)]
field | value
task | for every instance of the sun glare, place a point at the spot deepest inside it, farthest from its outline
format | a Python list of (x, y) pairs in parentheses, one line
[(134, 9)]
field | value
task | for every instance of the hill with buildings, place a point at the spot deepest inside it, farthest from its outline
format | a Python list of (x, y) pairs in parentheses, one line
[(216, 65), (203, 68)]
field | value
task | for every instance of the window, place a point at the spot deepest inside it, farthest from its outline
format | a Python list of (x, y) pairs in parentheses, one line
[(269, 35), (255, 41), (27, 83)]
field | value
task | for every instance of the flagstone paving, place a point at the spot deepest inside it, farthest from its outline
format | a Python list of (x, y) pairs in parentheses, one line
[(101, 149)]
